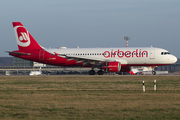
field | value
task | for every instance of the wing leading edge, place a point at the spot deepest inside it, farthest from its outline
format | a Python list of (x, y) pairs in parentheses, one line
[(89, 60)]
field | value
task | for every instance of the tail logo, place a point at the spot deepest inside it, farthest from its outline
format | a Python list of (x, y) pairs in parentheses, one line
[(22, 36)]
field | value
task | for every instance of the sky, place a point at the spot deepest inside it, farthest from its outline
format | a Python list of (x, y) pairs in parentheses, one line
[(93, 23)]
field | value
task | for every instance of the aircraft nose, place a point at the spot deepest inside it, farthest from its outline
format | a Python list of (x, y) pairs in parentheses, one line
[(174, 59)]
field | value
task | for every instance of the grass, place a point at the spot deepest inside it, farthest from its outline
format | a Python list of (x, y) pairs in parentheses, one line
[(89, 97)]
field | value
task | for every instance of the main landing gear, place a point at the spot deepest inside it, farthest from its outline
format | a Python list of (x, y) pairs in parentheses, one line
[(92, 72), (100, 72)]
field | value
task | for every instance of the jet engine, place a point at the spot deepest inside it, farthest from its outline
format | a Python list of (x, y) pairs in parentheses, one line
[(112, 66)]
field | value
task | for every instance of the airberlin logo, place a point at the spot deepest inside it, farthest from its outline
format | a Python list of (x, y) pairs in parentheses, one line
[(22, 36), (127, 54)]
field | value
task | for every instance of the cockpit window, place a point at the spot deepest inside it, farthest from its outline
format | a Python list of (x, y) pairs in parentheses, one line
[(165, 53)]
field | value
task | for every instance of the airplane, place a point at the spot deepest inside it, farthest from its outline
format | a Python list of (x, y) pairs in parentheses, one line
[(106, 59), (36, 72)]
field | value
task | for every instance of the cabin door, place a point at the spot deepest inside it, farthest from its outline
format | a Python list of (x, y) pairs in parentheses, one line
[(152, 54)]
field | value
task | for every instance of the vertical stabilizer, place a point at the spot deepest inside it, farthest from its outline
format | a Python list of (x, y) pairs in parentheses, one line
[(24, 38)]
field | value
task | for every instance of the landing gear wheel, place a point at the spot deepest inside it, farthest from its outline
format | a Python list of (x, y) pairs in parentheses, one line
[(100, 72), (154, 72), (91, 72)]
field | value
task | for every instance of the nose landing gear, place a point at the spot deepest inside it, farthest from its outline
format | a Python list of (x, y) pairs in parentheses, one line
[(154, 72)]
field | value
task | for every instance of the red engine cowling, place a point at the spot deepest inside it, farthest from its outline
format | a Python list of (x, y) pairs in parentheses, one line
[(112, 66)]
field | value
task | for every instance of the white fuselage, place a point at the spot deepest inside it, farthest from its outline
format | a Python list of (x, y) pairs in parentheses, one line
[(126, 56)]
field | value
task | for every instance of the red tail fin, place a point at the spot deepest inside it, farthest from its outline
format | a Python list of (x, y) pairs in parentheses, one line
[(23, 37)]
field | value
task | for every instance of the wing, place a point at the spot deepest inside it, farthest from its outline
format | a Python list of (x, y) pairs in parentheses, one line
[(86, 60)]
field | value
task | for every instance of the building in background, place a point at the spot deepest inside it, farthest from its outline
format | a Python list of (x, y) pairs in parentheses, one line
[(36, 64), (6, 61), (18, 62)]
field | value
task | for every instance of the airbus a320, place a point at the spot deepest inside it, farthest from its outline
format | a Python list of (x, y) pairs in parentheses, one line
[(105, 59)]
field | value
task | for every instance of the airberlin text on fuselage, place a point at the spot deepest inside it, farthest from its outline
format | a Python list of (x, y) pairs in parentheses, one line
[(127, 54)]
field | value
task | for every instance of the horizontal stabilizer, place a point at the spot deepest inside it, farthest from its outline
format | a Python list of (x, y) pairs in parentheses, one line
[(18, 53)]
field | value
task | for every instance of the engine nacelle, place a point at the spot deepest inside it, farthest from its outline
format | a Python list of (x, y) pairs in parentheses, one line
[(112, 66)]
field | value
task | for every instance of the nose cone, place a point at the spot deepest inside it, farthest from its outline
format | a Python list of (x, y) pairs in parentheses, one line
[(173, 59)]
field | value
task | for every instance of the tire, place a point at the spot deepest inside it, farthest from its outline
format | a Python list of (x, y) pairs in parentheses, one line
[(91, 72), (100, 72), (154, 72)]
